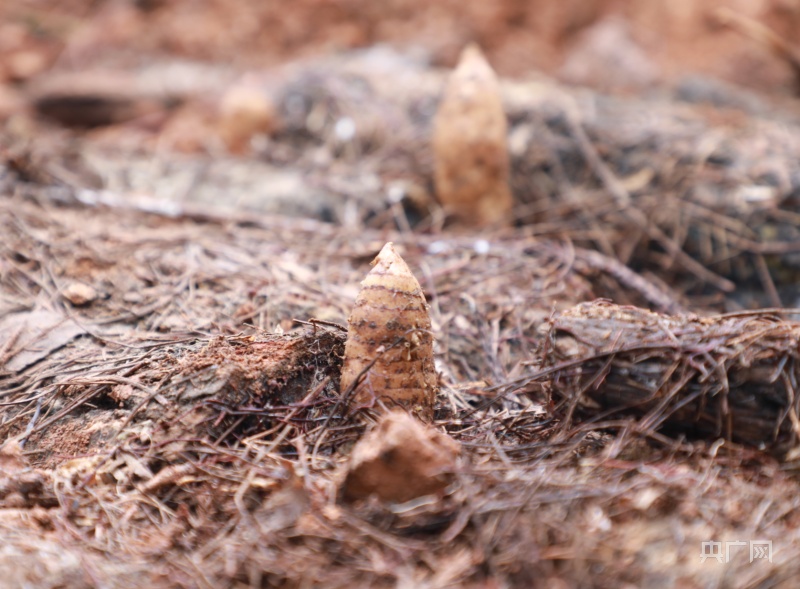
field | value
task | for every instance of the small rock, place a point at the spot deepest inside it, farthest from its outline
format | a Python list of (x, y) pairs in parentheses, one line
[(79, 294), (399, 460), (11, 458), (14, 501)]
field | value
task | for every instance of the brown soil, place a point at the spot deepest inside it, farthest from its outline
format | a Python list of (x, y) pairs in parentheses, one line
[(680, 38)]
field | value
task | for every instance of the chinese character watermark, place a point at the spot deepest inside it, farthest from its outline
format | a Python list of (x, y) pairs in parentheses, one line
[(759, 550), (710, 550)]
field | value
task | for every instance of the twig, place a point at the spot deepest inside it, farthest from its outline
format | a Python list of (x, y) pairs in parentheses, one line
[(653, 294)]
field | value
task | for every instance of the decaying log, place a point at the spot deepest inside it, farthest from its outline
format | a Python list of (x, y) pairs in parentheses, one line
[(731, 376)]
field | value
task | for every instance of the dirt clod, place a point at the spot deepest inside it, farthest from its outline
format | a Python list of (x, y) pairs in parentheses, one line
[(399, 460), (79, 294)]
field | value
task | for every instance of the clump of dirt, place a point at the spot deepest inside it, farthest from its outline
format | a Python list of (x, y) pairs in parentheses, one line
[(224, 387), (240, 386)]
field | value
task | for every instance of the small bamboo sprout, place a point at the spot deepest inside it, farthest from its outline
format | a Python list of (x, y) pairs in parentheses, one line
[(389, 343), (245, 111), (470, 145)]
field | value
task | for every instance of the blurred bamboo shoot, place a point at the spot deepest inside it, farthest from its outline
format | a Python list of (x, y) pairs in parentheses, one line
[(470, 145)]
